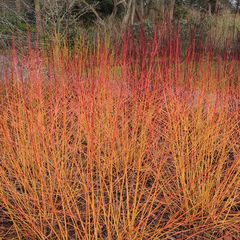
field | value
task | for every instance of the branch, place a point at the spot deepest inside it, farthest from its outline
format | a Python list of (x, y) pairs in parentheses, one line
[(94, 11)]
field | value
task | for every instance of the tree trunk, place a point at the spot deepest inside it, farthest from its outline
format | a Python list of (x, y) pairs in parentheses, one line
[(216, 8), (156, 9), (128, 14), (114, 11), (133, 12), (18, 6), (140, 10), (141, 4), (170, 7), (210, 8), (213, 6), (38, 15), (238, 6)]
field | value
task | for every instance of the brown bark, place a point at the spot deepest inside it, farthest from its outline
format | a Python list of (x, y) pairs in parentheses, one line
[(142, 8), (114, 12), (156, 9), (170, 7), (209, 8), (238, 7), (133, 11), (216, 6), (38, 14), (18, 6), (100, 20), (128, 12)]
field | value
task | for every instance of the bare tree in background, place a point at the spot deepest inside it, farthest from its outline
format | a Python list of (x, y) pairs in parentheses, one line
[(139, 10), (170, 8), (57, 14), (156, 9), (37, 7), (150, 9), (18, 6), (66, 17), (238, 6)]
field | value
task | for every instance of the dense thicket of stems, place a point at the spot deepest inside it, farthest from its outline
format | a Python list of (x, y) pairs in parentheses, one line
[(130, 142)]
